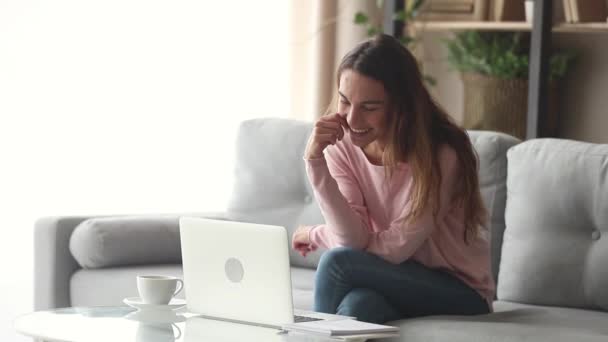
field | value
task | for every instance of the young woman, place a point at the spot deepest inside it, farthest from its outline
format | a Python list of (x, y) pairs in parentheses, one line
[(397, 183)]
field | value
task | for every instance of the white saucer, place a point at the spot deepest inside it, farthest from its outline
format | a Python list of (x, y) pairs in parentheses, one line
[(155, 316), (136, 302)]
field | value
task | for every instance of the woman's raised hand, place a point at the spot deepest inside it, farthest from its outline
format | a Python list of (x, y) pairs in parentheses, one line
[(301, 242), (327, 130)]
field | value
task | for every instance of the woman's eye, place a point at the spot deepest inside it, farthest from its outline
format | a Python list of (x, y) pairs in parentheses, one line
[(344, 102), (369, 109)]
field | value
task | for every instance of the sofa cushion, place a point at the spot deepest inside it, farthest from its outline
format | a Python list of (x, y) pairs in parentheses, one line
[(491, 148), (302, 286), (510, 322), (126, 240), (555, 248), (270, 183), (109, 286)]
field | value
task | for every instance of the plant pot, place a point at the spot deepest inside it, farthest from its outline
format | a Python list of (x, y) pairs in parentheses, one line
[(497, 104)]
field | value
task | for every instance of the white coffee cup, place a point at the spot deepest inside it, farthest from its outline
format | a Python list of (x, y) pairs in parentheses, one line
[(157, 289)]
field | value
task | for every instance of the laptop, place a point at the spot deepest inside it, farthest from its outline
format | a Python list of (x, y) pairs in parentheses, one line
[(239, 272), (200, 329)]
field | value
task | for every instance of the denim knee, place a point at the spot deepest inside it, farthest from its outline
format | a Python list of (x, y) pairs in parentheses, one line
[(367, 305), (357, 301), (336, 258)]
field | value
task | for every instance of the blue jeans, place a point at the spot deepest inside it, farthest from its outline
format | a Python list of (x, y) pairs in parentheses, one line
[(355, 283)]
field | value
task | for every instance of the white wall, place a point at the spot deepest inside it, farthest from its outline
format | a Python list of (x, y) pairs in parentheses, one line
[(124, 106), (584, 104)]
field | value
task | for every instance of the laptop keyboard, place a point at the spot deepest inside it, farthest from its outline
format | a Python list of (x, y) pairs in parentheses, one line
[(300, 319)]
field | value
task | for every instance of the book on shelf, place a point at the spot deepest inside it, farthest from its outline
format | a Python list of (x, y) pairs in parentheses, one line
[(453, 6), (509, 10), (588, 10), (480, 11), (443, 3), (567, 11), (344, 327), (458, 10)]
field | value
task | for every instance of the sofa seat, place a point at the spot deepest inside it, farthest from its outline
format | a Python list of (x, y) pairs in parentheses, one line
[(302, 280), (509, 322), (108, 286)]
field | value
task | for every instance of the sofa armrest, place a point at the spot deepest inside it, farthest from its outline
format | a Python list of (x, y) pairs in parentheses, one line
[(54, 264)]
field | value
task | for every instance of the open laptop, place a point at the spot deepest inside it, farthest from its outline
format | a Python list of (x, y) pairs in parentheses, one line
[(239, 272)]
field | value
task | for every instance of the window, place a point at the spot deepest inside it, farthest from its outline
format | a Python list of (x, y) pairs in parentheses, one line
[(125, 106)]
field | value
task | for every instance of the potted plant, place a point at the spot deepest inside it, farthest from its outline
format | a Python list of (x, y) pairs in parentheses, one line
[(494, 70), (373, 26)]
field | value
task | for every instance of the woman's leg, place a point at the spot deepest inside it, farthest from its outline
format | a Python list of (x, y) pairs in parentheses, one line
[(368, 306), (410, 288)]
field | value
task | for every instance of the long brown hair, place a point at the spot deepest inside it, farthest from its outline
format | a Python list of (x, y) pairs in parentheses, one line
[(417, 127)]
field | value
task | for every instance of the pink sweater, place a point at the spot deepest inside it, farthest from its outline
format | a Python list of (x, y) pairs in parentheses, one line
[(362, 211)]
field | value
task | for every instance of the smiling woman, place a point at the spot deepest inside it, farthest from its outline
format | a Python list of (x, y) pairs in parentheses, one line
[(397, 183), (125, 106)]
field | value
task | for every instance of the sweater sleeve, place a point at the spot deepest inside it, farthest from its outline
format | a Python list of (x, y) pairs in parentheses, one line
[(341, 202), (347, 219)]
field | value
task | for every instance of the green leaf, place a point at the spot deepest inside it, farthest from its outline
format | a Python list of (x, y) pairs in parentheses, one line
[(412, 9), (399, 16), (499, 54), (417, 4), (372, 30), (406, 40), (430, 80), (361, 18), (414, 5)]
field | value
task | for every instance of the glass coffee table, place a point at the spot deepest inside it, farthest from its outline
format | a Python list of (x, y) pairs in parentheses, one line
[(123, 323)]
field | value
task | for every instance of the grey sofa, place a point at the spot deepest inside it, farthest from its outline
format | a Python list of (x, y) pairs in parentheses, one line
[(551, 260)]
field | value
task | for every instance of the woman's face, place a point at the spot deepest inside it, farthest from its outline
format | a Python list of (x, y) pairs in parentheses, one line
[(363, 102)]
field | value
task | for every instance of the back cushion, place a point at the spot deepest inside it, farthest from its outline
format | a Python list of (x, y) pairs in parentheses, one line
[(126, 240), (270, 183), (492, 149), (554, 250)]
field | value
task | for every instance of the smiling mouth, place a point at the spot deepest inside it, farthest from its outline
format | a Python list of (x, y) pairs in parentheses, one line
[(360, 131)]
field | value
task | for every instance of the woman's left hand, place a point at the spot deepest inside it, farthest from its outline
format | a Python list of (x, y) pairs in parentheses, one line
[(301, 241)]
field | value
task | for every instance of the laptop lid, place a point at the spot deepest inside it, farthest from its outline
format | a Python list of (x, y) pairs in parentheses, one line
[(236, 271)]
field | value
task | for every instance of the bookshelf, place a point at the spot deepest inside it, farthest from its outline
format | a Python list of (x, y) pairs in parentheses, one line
[(581, 27), (540, 46), (471, 25), (506, 26)]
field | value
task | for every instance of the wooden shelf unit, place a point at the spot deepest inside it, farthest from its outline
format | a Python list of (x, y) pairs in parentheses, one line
[(507, 26), (540, 47), (581, 27)]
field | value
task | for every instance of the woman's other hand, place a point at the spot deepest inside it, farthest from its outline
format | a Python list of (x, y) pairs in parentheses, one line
[(327, 130), (301, 242)]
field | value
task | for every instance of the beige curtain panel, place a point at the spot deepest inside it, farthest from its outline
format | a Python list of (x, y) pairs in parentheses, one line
[(321, 32)]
